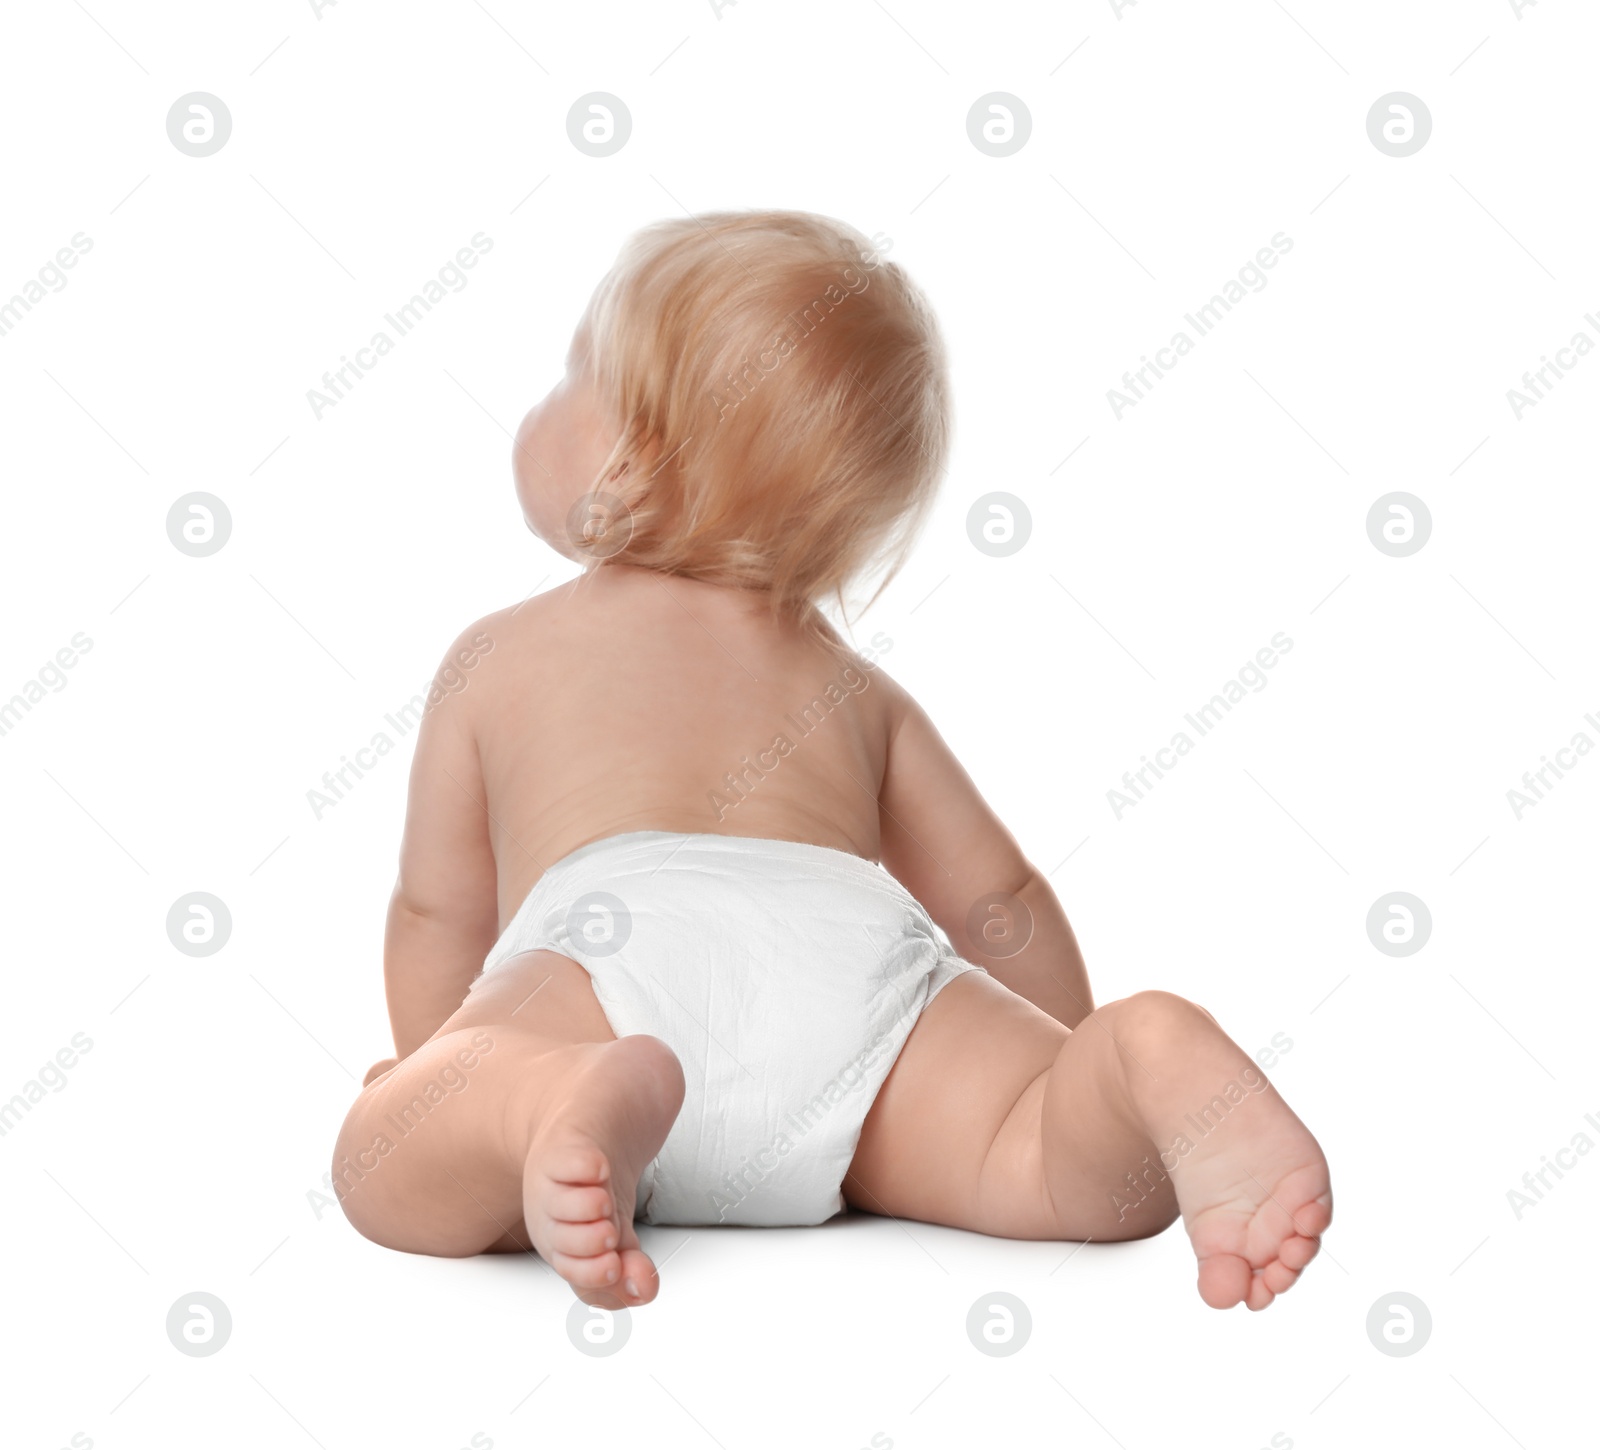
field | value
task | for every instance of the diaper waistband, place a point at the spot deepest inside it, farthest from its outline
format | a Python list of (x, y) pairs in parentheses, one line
[(610, 863)]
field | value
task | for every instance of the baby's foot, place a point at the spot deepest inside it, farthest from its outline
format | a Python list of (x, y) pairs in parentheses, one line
[(1256, 1212), (582, 1170), (1251, 1182)]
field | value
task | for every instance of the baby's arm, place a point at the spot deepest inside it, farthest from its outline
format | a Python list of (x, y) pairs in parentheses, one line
[(444, 914), (942, 843)]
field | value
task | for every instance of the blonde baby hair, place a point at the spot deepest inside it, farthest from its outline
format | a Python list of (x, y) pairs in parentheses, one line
[(782, 401)]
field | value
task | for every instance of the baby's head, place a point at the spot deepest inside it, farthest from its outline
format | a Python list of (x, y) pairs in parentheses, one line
[(753, 399)]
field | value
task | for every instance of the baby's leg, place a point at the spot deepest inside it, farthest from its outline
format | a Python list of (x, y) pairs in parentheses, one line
[(522, 1122), (997, 1118)]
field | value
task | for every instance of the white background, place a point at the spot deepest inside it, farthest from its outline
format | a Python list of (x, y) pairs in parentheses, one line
[(371, 143)]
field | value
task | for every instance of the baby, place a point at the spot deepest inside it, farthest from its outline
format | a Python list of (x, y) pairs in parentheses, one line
[(642, 959)]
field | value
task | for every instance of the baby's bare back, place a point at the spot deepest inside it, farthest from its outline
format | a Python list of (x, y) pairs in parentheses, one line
[(630, 701)]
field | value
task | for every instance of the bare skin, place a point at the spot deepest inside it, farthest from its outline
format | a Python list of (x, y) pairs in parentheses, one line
[(622, 701)]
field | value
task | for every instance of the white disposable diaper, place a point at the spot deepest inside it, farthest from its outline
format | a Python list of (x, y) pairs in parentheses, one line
[(785, 976)]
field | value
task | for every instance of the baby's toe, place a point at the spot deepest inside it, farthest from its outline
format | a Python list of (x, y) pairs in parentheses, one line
[(1225, 1279), (599, 1271), (579, 1164), (1296, 1253), (1278, 1276), (1311, 1220), (582, 1240), (640, 1282), (1260, 1294), (568, 1203)]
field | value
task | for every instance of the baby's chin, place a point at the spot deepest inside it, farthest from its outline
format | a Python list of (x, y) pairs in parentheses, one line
[(555, 538), (544, 536)]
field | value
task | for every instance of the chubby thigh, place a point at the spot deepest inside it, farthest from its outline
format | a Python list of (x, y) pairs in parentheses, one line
[(955, 1133), (541, 992)]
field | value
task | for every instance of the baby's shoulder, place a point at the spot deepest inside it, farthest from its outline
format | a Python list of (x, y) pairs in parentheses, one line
[(891, 698), (507, 631), (485, 652)]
